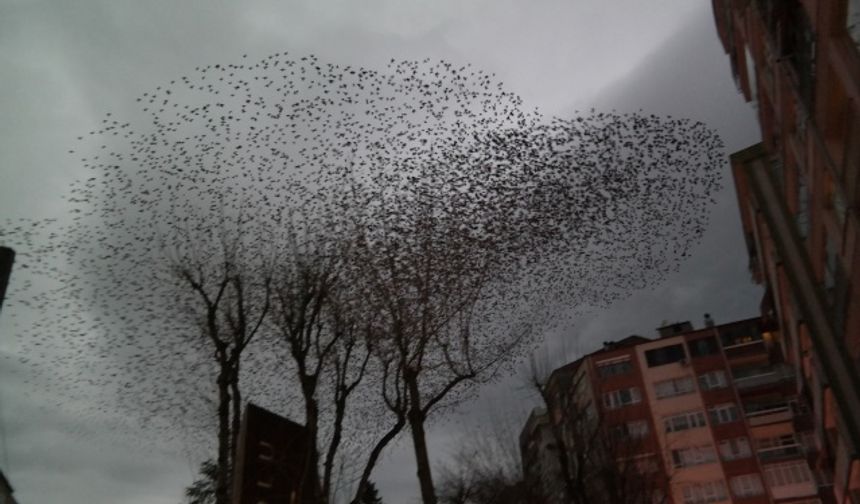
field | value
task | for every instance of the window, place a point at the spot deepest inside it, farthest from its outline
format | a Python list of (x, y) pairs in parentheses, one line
[(724, 413), (733, 449), (684, 421), (704, 346), (646, 464), (751, 73), (612, 368), (267, 451), (787, 473), (693, 455), (676, 387), (702, 493), (746, 485), (775, 442), (713, 380), (621, 397), (665, 355), (636, 429)]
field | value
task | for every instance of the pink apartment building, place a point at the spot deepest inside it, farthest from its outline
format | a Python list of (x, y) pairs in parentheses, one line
[(707, 415)]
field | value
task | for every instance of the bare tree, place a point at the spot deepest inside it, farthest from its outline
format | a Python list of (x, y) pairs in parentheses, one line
[(486, 468), (425, 281), (227, 292), (314, 315), (598, 459)]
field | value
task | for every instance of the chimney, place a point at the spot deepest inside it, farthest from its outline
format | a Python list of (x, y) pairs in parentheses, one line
[(709, 322)]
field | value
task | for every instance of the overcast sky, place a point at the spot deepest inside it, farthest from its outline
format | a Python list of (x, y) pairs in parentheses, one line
[(66, 63)]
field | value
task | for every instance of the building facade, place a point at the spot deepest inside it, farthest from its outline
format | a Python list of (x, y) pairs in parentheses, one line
[(537, 451), (274, 461), (693, 416), (798, 62)]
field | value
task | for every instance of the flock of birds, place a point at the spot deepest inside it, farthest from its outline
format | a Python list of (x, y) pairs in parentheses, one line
[(417, 158)]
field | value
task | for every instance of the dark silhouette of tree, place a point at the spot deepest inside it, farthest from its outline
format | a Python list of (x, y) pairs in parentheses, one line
[(202, 490), (370, 494), (228, 295), (315, 318), (486, 468)]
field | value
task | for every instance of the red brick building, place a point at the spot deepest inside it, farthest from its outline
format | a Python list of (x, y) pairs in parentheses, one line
[(274, 462), (798, 62), (694, 416)]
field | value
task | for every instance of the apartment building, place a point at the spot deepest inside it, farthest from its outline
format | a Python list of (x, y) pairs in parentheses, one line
[(537, 451), (692, 416), (798, 63)]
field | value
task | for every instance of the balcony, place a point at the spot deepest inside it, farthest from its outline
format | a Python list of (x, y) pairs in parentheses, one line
[(739, 333), (780, 452), (751, 378), (768, 413), (745, 349)]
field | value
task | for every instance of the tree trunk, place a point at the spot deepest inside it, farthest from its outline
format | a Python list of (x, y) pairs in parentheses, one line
[(237, 417), (374, 457), (311, 465), (222, 489), (416, 425), (340, 409)]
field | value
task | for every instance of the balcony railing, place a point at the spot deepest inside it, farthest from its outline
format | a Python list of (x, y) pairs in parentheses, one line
[(765, 376), (760, 414), (746, 348), (780, 452)]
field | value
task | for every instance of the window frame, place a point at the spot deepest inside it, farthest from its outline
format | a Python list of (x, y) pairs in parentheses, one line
[(693, 456), (707, 380), (795, 470), (724, 413), (671, 424), (704, 492), (614, 367), (676, 390), (614, 399), (747, 485), (740, 447), (664, 355)]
